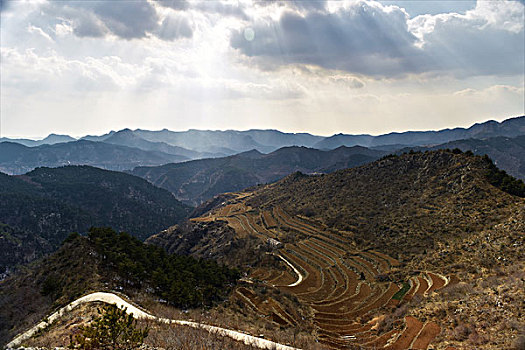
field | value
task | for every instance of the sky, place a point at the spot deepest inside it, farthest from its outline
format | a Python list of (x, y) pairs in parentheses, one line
[(323, 67)]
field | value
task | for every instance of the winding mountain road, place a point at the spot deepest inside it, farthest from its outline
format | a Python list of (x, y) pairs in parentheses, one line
[(111, 298)]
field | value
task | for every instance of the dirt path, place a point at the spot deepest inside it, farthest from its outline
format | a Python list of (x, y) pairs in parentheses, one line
[(111, 298), (299, 275)]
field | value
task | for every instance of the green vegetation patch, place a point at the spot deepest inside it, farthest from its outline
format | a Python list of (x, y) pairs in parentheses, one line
[(5, 234), (182, 281), (401, 293), (113, 329), (502, 180)]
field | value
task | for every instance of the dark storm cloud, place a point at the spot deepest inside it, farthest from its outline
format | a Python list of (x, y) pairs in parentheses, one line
[(125, 19), (367, 38), (129, 19), (362, 39)]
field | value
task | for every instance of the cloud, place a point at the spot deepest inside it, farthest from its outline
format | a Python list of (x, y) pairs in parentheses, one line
[(362, 38), (174, 4), (129, 20), (347, 81), (28, 71), (175, 26), (4, 5), (296, 4), (491, 91), (487, 40), (123, 19), (87, 24), (218, 7), (415, 8), (33, 29), (215, 7), (366, 37)]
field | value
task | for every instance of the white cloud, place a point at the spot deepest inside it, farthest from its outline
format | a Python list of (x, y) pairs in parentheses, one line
[(369, 38), (28, 71), (175, 26), (35, 30)]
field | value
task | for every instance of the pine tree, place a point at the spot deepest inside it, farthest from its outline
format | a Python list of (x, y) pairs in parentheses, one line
[(114, 329)]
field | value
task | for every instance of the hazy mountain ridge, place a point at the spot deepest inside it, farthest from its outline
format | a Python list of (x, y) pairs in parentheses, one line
[(510, 128), (18, 159), (196, 181), (127, 149), (229, 142), (51, 139), (129, 138), (39, 209)]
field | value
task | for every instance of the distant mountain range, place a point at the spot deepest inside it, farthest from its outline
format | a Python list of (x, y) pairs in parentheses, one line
[(41, 208), (196, 181), (18, 159), (49, 140), (510, 128), (130, 138), (195, 144)]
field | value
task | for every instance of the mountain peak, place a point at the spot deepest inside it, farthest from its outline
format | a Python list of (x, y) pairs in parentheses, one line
[(56, 138), (125, 131), (253, 153)]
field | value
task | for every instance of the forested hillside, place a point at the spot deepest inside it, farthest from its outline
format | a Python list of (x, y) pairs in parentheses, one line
[(106, 260), (39, 209)]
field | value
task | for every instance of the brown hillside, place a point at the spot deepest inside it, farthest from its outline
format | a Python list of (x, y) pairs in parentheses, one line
[(401, 206), (416, 251)]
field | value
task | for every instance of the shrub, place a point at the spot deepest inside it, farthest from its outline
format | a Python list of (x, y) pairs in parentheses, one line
[(114, 329), (51, 286)]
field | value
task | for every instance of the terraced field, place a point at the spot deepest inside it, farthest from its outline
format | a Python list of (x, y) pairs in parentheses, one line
[(343, 286)]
